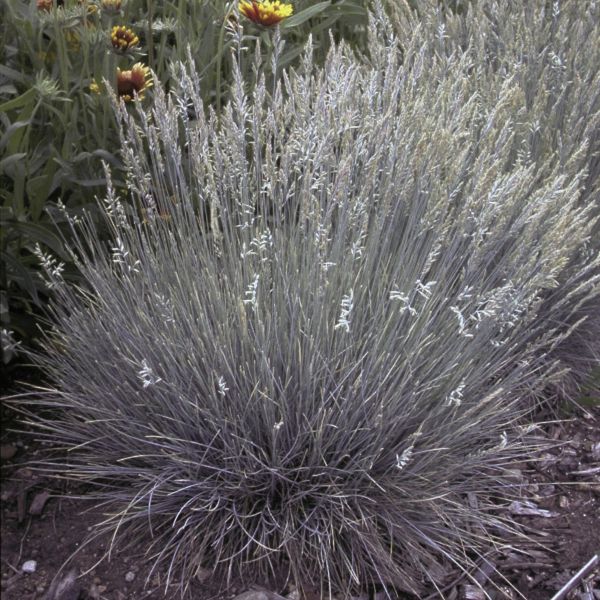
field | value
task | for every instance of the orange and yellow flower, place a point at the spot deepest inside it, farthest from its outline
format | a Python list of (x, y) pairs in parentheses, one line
[(265, 12), (133, 82), (45, 5), (111, 6), (123, 39), (91, 7)]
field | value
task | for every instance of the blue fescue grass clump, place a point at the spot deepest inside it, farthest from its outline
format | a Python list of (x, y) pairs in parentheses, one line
[(313, 344)]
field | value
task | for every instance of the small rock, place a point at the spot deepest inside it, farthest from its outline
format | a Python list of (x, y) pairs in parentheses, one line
[(96, 591), (29, 566), (130, 576), (203, 574), (563, 502), (7, 451)]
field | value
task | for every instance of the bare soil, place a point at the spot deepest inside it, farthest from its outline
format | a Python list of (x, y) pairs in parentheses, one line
[(43, 522)]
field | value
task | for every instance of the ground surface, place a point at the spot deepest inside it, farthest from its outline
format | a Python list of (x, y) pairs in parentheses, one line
[(42, 523)]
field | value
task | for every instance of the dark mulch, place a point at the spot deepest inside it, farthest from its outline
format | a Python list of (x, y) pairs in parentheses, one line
[(42, 522)]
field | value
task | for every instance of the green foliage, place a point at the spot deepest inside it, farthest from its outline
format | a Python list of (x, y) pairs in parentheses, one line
[(55, 135), (311, 345)]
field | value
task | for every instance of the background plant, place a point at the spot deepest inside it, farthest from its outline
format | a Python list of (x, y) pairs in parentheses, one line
[(55, 133), (56, 121), (313, 344)]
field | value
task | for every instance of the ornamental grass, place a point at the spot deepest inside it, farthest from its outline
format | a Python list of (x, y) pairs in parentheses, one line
[(314, 344)]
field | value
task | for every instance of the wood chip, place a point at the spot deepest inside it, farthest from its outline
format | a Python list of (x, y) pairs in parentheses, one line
[(472, 592), (589, 486), (66, 588), (21, 504), (484, 571), (38, 503), (528, 508)]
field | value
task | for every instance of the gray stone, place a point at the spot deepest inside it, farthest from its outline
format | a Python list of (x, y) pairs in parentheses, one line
[(130, 576), (29, 566)]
